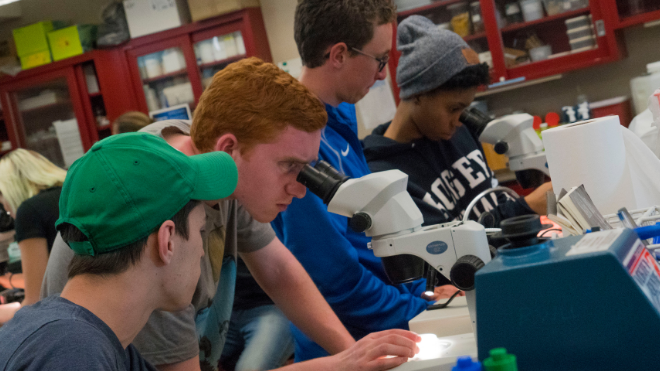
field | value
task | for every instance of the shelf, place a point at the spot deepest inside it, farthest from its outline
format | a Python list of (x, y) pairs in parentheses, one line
[(518, 26), (165, 76), (224, 61), (480, 35), (47, 106), (426, 8)]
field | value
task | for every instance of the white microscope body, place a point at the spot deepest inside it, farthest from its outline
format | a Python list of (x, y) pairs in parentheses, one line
[(514, 136), (396, 226)]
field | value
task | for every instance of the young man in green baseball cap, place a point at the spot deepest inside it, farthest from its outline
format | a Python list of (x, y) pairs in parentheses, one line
[(131, 211), (270, 124)]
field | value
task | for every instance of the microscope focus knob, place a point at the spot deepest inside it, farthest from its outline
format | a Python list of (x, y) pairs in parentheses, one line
[(501, 148), (360, 222), (463, 271)]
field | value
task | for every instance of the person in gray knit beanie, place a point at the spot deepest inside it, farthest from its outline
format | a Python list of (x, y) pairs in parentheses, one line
[(429, 56), (439, 75)]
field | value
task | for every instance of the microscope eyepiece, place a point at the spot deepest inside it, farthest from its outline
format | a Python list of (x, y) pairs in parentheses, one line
[(475, 120), (322, 180)]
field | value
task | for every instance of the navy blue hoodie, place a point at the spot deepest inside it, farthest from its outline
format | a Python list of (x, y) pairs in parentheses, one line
[(444, 176)]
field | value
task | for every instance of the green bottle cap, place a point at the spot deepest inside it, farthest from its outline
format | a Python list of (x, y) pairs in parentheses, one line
[(500, 360)]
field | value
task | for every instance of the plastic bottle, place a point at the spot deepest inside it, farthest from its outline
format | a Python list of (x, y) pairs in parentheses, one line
[(552, 118), (466, 363), (513, 13), (500, 360), (537, 125), (582, 108), (642, 87)]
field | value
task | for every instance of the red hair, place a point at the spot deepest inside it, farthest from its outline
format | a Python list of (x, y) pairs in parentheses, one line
[(255, 101)]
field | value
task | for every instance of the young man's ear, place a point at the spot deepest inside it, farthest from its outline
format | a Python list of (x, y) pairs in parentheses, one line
[(227, 143), (165, 242), (338, 54)]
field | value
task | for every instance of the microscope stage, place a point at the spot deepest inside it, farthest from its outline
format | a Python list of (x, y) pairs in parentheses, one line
[(440, 354)]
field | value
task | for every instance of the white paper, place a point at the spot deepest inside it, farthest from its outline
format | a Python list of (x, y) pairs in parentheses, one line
[(68, 136), (378, 106), (594, 242)]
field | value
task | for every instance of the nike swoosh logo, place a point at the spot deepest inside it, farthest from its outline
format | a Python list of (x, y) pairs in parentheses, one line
[(345, 153)]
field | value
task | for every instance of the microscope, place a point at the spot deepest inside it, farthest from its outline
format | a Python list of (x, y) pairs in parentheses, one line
[(379, 205), (513, 136)]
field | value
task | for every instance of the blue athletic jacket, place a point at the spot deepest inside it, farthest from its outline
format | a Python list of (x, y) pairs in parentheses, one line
[(346, 272)]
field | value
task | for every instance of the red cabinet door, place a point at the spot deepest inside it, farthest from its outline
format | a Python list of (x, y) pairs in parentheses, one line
[(45, 113)]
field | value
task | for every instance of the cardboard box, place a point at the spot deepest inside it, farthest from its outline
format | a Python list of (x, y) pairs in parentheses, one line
[(147, 17), (71, 41), (202, 9), (36, 59), (513, 57)]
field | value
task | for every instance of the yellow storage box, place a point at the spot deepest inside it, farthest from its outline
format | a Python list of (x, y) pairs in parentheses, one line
[(36, 59), (71, 41)]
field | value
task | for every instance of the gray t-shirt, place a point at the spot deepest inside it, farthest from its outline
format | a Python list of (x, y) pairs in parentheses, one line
[(56, 334), (171, 337)]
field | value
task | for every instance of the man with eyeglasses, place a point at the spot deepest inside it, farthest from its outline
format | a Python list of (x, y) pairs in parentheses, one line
[(344, 46)]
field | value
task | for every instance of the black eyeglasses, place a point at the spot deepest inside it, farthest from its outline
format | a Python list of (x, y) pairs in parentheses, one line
[(382, 62)]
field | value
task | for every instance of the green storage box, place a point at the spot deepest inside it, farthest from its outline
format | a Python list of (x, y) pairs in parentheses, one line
[(32, 39), (71, 41), (36, 59)]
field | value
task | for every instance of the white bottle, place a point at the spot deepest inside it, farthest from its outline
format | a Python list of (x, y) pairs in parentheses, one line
[(642, 87)]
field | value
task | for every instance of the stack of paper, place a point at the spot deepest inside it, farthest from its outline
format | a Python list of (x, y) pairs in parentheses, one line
[(576, 212)]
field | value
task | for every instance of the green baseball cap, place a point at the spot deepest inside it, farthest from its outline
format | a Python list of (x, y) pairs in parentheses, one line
[(129, 184)]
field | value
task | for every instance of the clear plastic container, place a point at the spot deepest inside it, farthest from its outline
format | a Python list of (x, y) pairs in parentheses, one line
[(580, 32), (532, 10), (553, 7), (577, 22), (583, 42), (513, 13), (540, 53), (643, 86), (477, 20)]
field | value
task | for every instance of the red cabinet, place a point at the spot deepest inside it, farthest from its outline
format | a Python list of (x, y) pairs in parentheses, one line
[(61, 109), (575, 36), (173, 67)]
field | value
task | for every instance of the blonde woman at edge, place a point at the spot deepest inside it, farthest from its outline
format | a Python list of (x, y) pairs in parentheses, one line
[(30, 187)]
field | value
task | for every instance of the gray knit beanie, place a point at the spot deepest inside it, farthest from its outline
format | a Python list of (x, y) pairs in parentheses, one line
[(429, 56)]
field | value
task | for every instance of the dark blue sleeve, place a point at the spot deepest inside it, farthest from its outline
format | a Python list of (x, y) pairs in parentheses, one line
[(509, 208), (359, 298)]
